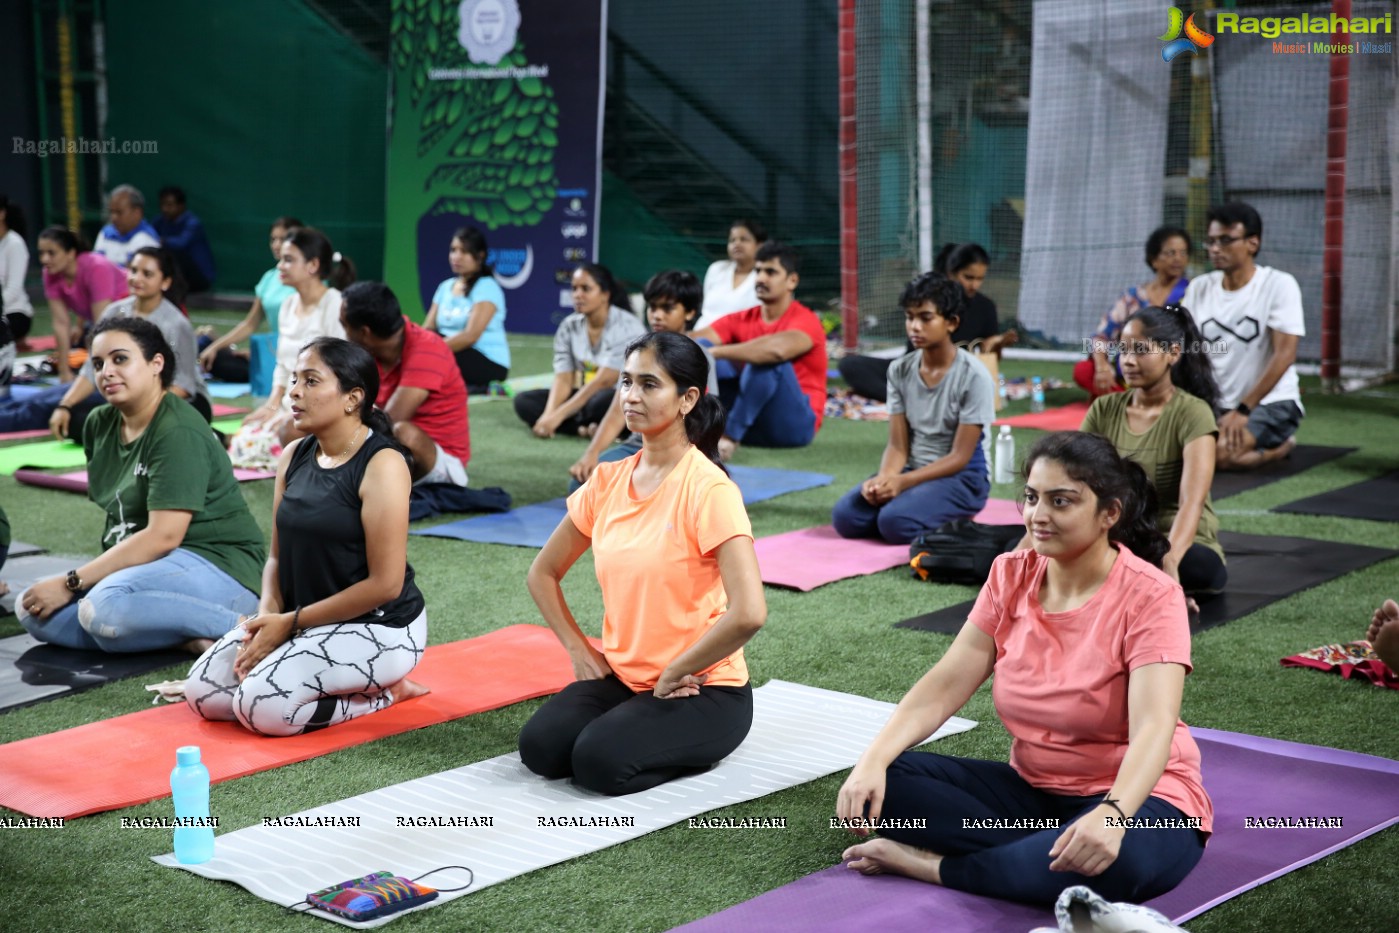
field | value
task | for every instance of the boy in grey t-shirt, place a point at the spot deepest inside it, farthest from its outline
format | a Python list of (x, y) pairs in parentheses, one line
[(940, 400)]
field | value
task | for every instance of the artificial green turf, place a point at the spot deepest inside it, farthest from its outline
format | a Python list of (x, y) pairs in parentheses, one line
[(94, 875)]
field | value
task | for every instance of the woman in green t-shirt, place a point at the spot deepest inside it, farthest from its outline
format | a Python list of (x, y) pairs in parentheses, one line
[(181, 554), (1165, 422)]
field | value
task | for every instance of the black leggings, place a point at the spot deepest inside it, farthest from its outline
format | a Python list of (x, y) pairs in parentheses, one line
[(613, 741), (478, 371), (1202, 573), (19, 323), (866, 375), (530, 406)]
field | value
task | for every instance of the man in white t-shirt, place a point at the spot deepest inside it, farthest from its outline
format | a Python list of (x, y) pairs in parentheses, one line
[(1251, 316)]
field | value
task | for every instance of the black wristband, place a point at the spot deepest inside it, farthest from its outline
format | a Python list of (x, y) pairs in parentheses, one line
[(296, 621), (61, 406), (1243, 409), (1108, 801)]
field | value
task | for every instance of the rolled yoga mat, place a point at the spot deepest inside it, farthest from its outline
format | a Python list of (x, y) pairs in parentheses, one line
[(1262, 570), (1302, 458), (799, 734), (125, 761), (1359, 793), (1375, 499), (531, 525)]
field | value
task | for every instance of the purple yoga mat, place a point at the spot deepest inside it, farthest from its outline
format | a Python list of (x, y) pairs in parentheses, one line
[(77, 480), (1246, 776), (812, 557)]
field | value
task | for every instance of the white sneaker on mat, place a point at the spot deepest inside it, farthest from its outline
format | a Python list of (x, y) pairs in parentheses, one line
[(1080, 910)]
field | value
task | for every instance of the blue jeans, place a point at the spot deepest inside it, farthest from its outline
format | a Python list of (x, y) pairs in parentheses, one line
[(157, 605), (1013, 864), (766, 405), (618, 451), (916, 510), (32, 412)]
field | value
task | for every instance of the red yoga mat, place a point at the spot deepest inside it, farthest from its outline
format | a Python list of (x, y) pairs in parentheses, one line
[(126, 761), (1064, 418)]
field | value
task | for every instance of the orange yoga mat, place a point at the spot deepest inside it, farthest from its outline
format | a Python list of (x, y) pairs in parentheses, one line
[(1065, 418), (126, 761)]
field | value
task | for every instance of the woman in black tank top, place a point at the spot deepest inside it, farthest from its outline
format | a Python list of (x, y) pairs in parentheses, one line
[(338, 564)]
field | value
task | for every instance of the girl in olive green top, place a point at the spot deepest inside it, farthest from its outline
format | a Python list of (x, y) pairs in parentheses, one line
[(1165, 422), (181, 554)]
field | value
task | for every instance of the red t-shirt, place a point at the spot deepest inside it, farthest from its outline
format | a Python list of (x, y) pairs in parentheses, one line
[(743, 326), (428, 363)]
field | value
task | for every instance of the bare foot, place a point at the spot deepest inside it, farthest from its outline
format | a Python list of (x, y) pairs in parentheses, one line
[(879, 856), (587, 430), (727, 448), (407, 689), (1280, 452), (4, 587), (197, 646)]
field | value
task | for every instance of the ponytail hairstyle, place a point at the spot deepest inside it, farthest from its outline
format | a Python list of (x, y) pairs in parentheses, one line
[(1092, 460), (335, 268), (954, 257), (685, 363), (66, 239), (354, 368), (147, 338), (1174, 326), (14, 217), (178, 290), (474, 242), (616, 295)]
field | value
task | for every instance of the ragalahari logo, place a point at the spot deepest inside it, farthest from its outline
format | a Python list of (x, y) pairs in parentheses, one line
[(1194, 38)]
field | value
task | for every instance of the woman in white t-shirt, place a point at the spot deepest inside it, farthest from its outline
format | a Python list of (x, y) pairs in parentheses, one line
[(730, 284), (14, 266), (468, 310)]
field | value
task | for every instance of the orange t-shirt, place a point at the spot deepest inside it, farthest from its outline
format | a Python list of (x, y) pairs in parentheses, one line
[(1061, 677), (656, 564)]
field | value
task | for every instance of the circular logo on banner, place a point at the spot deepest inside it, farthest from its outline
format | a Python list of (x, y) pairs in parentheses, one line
[(488, 29)]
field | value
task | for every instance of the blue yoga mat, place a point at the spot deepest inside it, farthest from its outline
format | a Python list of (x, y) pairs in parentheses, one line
[(531, 525), (229, 389)]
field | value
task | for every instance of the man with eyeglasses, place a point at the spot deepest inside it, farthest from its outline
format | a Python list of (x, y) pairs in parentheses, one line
[(1251, 316)]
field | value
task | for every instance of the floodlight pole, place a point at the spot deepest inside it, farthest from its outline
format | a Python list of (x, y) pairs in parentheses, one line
[(1331, 257), (849, 179)]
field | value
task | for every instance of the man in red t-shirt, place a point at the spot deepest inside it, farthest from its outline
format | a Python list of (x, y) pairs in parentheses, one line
[(420, 386), (771, 361)]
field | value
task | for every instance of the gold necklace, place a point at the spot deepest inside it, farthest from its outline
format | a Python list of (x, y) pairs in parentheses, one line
[(354, 439)]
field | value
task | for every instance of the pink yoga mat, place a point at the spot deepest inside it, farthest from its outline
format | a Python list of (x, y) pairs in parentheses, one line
[(1065, 418), (812, 557), (77, 480)]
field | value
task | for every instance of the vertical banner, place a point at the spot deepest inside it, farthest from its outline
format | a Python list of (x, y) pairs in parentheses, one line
[(495, 121)]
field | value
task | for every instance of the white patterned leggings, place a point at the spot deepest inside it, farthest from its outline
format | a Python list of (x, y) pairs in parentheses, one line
[(321, 677)]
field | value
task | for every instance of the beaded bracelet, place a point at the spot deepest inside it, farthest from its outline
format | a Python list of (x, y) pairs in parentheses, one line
[(296, 629)]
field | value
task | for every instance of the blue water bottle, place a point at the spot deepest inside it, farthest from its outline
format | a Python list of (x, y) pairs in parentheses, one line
[(189, 783), (1036, 394)]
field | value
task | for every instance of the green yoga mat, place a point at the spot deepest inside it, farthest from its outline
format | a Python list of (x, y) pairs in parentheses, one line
[(66, 455)]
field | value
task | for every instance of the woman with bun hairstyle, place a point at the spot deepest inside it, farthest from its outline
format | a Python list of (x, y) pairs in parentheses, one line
[(1089, 644), (668, 694), (341, 623)]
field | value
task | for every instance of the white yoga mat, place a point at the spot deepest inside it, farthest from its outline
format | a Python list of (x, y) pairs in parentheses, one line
[(799, 734)]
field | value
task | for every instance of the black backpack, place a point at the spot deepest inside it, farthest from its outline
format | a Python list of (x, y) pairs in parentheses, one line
[(961, 551)]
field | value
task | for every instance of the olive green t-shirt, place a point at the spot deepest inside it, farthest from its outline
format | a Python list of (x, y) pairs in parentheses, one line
[(176, 464), (4, 529), (1161, 451)]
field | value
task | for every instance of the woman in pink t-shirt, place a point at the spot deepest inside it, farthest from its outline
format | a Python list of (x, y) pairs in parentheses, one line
[(79, 281), (1090, 646)]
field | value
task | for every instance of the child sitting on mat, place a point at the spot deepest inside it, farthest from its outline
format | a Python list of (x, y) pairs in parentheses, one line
[(341, 623), (1090, 646), (180, 551), (940, 400), (668, 694)]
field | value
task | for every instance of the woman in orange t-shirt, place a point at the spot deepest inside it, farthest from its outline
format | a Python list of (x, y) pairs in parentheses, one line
[(1090, 646), (668, 694)]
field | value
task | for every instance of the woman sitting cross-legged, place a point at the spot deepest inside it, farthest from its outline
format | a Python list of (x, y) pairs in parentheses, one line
[(180, 550), (668, 694), (341, 622), (1090, 646)]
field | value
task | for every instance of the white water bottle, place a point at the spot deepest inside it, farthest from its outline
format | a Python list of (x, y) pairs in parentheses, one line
[(1005, 456)]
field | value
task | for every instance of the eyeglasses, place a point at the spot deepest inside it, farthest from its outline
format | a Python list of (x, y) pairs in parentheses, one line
[(1225, 240)]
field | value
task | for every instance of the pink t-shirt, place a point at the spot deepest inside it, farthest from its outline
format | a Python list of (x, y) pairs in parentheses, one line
[(97, 279), (1061, 677)]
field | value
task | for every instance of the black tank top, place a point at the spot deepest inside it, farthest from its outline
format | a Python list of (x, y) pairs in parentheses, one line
[(320, 539)]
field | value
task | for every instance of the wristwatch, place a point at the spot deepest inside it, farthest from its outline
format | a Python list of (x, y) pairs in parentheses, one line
[(74, 582), (1243, 409)]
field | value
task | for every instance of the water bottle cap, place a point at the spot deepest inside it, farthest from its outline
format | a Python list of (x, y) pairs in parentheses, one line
[(187, 755), (1036, 379), (1005, 430)]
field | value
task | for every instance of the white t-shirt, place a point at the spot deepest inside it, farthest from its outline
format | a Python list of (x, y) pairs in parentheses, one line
[(14, 265), (1238, 323), (720, 296), (296, 329)]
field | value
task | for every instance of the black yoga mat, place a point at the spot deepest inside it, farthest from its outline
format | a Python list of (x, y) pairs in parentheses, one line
[(31, 671), (1262, 570), (1303, 457), (24, 549), (1375, 499)]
